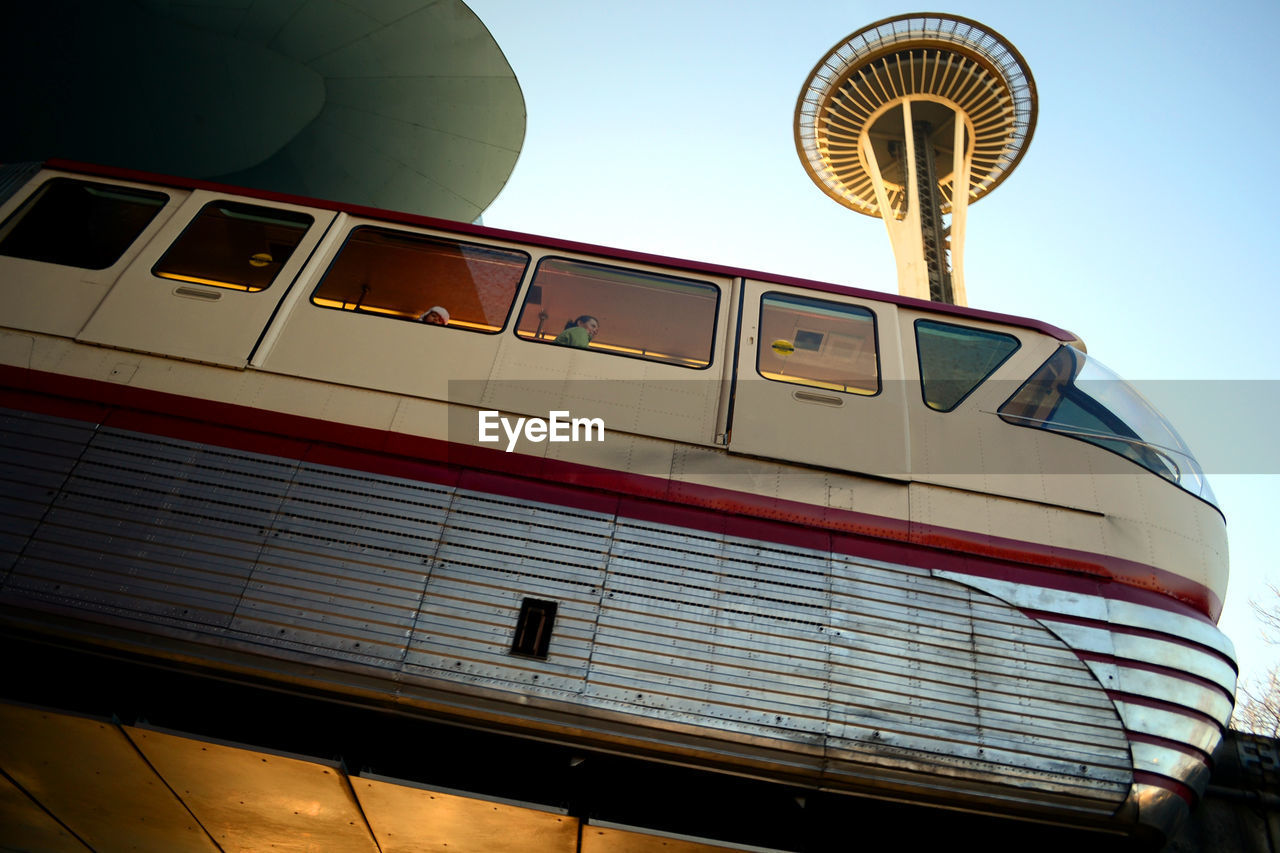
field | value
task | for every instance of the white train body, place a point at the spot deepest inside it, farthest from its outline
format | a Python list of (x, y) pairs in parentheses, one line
[(828, 537)]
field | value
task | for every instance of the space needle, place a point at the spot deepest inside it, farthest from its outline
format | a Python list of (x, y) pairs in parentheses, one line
[(911, 119)]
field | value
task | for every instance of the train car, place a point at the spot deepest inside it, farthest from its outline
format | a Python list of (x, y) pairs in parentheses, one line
[(724, 519)]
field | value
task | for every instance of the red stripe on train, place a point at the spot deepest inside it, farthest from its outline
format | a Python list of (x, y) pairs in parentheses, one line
[(1169, 784), (643, 497), (1163, 705), (1131, 630), (1186, 749), (1157, 669)]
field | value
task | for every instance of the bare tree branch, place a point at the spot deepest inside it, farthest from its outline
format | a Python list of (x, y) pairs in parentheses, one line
[(1258, 703), (1269, 614)]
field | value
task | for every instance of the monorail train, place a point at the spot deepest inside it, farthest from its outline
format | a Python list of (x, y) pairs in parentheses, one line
[(719, 518)]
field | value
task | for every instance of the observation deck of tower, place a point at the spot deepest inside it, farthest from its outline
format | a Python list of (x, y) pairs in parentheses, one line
[(903, 112)]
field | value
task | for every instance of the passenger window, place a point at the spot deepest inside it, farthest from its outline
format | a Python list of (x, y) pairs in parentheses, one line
[(954, 360), (819, 343), (230, 244), (78, 223), (429, 279), (621, 312)]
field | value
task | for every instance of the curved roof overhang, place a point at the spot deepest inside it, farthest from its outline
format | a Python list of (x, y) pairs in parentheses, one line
[(409, 106)]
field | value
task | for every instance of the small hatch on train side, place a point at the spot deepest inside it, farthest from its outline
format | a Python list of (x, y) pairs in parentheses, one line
[(532, 637)]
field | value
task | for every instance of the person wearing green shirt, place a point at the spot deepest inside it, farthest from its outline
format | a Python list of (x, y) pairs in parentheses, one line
[(579, 332)]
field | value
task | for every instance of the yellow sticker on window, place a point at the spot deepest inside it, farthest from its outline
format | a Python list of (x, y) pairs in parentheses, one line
[(783, 347)]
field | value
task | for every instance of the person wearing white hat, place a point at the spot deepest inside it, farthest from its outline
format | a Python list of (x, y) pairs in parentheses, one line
[(436, 316)]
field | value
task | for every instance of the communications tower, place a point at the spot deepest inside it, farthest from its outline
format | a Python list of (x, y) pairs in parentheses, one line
[(903, 112)]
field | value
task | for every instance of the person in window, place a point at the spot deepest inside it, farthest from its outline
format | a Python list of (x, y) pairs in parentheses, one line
[(435, 316), (580, 332)]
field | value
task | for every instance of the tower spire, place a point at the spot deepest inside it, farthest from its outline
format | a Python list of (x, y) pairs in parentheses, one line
[(911, 119)]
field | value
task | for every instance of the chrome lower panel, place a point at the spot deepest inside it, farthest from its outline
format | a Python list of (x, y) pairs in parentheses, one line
[(848, 673), (1171, 677)]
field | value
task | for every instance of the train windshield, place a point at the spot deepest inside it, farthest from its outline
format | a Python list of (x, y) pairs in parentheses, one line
[(1078, 396)]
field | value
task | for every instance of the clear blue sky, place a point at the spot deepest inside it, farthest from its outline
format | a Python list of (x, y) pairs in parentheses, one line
[(1142, 218)]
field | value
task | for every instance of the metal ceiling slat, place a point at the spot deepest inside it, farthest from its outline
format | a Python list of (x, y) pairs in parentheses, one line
[(255, 800), (407, 818), (27, 826), (88, 774)]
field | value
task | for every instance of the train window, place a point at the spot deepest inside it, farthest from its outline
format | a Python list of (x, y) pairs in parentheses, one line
[(621, 312), (430, 279), (954, 360), (533, 628), (1076, 395), (236, 245), (79, 223), (820, 343)]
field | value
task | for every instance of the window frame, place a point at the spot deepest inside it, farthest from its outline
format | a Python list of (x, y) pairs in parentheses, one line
[(429, 237), (1133, 445), (915, 327), (875, 341), (611, 264), (34, 198), (231, 202)]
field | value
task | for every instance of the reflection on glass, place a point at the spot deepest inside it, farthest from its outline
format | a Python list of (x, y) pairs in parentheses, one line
[(79, 223), (816, 342), (621, 311), (432, 280), (954, 360), (1078, 396), (235, 245)]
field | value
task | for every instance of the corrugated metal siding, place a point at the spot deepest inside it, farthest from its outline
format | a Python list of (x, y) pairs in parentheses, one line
[(36, 455), (697, 625), (1193, 682), (343, 567), (880, 671), (494, 553), (155, 529)]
